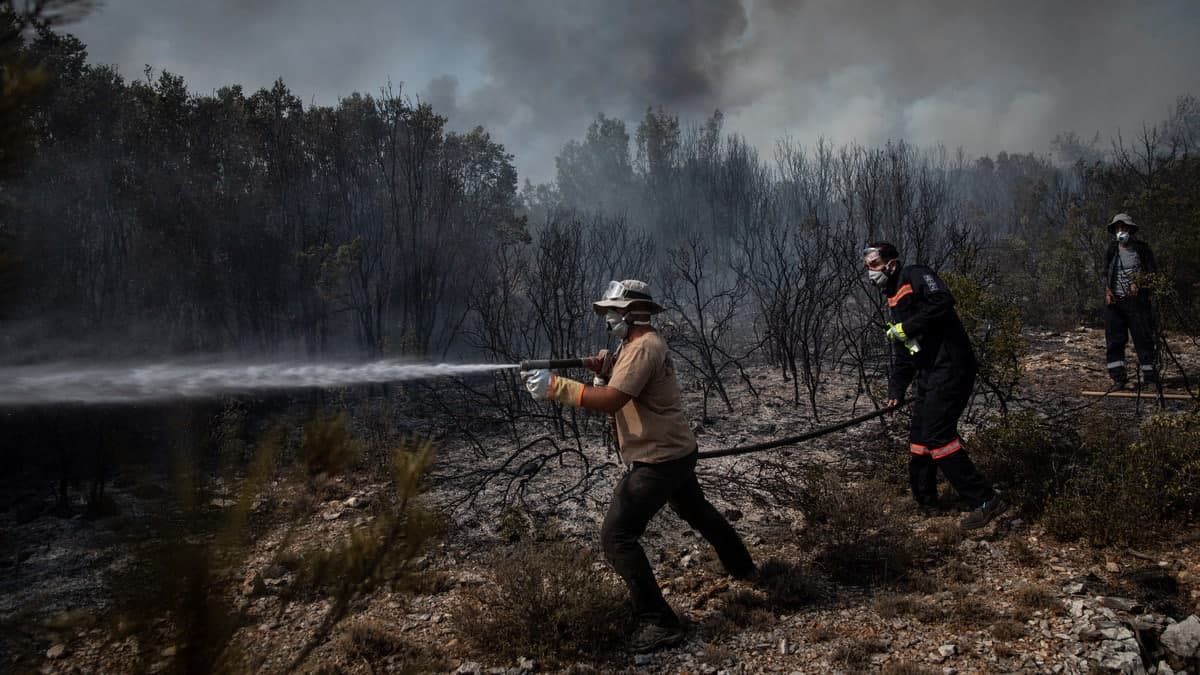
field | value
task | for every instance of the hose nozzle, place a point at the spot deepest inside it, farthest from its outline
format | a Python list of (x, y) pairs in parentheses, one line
[(553, 364)]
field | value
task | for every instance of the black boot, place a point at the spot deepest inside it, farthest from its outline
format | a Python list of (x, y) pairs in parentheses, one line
[(1117, 373)]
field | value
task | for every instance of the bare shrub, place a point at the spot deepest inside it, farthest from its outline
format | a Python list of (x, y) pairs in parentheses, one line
[(548, 601), (859, 539), (747, 609), (328, 446), (789, 586)]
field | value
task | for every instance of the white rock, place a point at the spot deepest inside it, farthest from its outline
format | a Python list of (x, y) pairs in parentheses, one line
[(1128, 663), (1183, 638), (947, 650), (56, 651)]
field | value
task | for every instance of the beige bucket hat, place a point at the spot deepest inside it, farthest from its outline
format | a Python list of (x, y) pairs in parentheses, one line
[(627, 294)]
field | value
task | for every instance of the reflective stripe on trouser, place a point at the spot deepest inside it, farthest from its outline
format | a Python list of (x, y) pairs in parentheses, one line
[(939, 400), (1123, 319), (936, 453)]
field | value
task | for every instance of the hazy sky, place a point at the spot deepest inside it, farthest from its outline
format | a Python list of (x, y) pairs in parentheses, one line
[(983, 75)]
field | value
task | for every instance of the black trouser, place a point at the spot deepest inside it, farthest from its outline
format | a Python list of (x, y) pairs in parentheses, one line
[(639, 495), (941, 396), (1126, 316)]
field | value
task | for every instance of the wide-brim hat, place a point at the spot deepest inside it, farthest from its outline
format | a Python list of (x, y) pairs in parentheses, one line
[(627, 294), (1123, 219)]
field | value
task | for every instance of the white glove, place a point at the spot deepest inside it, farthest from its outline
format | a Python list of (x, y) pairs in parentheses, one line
[(537, 383)]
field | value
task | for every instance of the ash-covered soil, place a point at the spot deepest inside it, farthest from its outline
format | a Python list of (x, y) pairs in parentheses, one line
[(1007, 598)]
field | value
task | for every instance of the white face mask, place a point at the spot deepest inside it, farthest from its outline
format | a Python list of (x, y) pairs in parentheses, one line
[(616, 324), (878, 277), (1122, 236)]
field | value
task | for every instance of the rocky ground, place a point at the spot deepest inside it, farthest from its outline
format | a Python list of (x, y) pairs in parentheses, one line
[(1006, 599)]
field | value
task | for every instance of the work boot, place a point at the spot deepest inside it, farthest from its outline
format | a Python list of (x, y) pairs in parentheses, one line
[(930, 508), (651, 637), (1118, 376), (984, 514)]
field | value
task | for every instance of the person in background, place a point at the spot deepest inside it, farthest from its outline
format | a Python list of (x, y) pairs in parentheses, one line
[(659, 451), (931, 346), (1126, 306)]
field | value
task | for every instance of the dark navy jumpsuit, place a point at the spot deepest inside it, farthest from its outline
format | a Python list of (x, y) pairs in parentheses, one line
[(1129, 315), (944, 369)]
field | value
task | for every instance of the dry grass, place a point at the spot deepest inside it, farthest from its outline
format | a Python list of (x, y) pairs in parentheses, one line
[(908, 668), (1008, 629), (857, 653), (376, 642), (1036, 596)]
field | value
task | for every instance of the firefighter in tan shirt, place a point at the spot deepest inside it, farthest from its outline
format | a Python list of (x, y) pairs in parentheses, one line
[(656, 444)]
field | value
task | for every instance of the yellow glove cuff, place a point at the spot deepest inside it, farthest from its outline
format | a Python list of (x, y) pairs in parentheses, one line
[(900, 331), (565, 390)]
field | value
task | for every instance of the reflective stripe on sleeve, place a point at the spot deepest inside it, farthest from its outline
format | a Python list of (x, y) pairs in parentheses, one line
[(901, 292)]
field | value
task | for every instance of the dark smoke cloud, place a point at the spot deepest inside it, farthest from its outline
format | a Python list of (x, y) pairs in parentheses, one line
[(983, 75)]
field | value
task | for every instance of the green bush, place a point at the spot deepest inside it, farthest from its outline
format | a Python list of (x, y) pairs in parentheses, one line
[(1027, 457), (548, 601), (994, 321), (1132, 493)]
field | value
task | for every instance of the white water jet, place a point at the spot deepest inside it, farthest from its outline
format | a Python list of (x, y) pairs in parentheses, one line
[(82, 383)]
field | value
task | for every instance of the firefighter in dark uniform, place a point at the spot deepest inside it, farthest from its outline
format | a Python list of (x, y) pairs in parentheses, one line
[(931, 345), (1126, 307)]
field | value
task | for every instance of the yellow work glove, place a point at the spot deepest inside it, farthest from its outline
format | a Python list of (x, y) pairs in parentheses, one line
[(544, 385)]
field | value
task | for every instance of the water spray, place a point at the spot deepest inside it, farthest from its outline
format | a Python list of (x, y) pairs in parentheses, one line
[(102, 383), (94, 384)]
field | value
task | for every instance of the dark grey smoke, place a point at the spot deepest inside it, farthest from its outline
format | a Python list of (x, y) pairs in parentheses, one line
[(983, 75)]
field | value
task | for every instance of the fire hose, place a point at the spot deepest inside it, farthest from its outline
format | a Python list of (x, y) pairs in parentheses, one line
[(742, 449)]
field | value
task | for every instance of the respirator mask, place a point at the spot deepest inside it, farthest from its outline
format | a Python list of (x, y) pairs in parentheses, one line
[(617, 325), (1122, 236), (877, 271)]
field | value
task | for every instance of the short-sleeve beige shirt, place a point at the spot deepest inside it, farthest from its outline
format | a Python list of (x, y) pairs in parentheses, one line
[(651, 427)]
